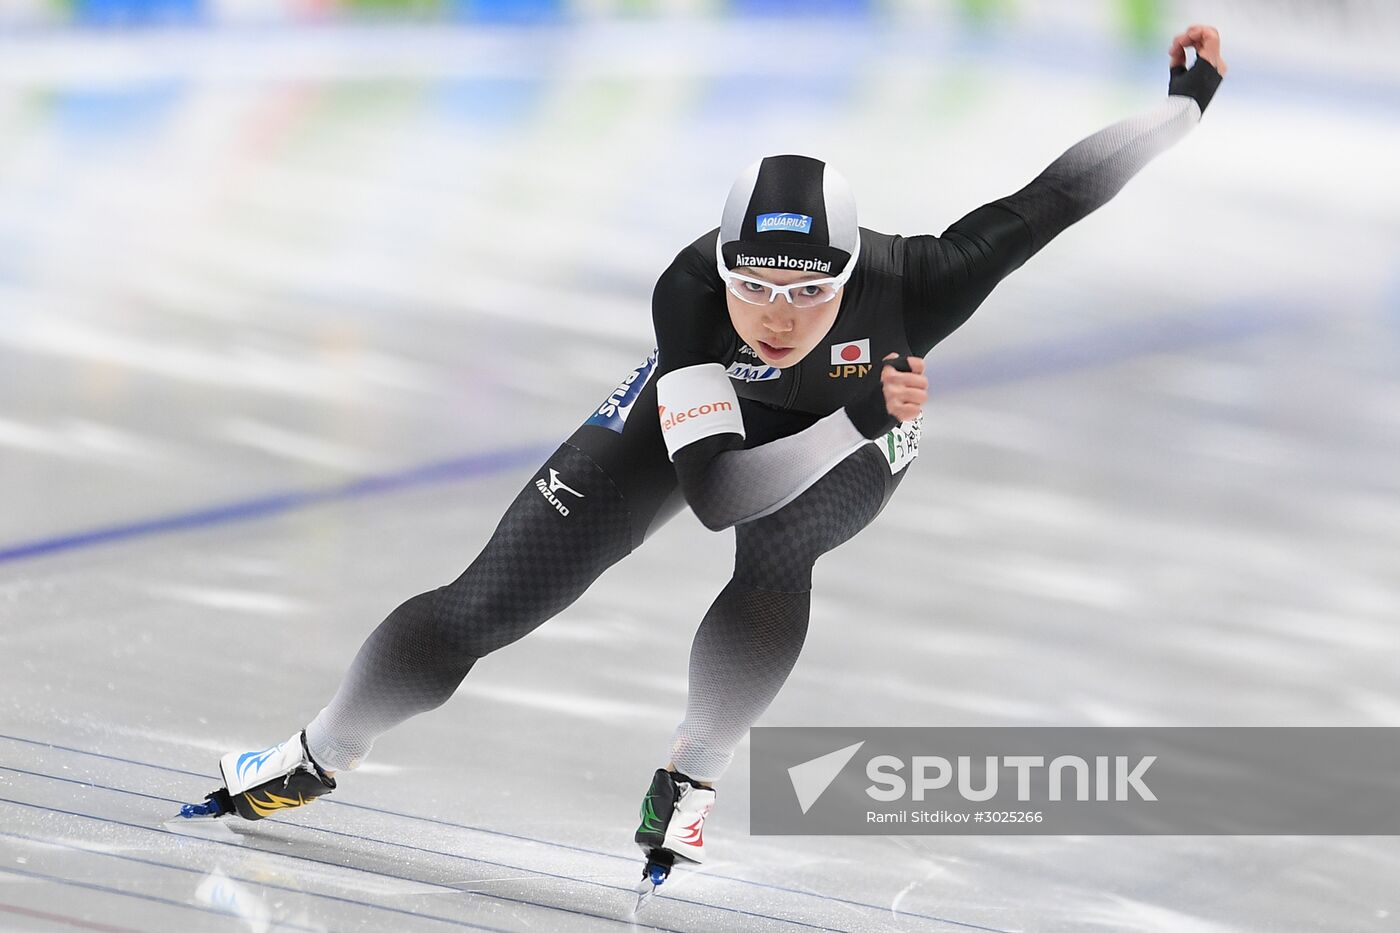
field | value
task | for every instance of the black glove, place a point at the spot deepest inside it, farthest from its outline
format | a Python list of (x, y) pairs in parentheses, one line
[(1197, 82)]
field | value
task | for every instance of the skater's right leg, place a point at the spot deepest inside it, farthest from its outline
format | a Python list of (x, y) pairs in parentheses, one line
[(606, 489), (566, 527), (600, 494)]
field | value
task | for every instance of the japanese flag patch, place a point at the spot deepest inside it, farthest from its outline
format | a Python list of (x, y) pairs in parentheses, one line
[(855, 351)]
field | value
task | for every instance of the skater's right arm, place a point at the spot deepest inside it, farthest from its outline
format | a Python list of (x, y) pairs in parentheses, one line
[(703, 426)]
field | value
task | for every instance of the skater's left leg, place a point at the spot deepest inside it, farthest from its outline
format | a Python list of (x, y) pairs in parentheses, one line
[(743, 651), (747, 645), (752, 634)]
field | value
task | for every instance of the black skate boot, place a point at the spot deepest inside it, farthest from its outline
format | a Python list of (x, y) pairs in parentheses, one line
[(673, 825), (258, 784)]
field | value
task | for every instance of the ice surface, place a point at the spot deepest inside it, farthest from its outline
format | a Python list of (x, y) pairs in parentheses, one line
[(1158, 483)]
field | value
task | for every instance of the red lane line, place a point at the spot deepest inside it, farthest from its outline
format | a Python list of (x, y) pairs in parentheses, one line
[(60, 918)]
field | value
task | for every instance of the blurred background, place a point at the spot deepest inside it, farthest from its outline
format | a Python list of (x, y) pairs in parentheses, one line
[(294, 294), (248, 244)]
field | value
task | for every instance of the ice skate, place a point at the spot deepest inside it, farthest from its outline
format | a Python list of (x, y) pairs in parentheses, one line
[(673, 823), (258, 784)]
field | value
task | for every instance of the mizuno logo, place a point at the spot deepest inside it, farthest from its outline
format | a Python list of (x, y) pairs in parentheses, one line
[(554, 485)]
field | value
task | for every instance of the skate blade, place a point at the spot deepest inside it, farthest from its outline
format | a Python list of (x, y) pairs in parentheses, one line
[(216, 830), (645, 892), (652, 877), (215, 804), (206, 810)]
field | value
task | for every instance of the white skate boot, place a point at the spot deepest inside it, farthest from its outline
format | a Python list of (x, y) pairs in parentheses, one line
[(673, 826), (258, 784)]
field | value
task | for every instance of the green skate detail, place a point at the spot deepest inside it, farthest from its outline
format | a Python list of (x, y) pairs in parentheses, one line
[(651, 823)]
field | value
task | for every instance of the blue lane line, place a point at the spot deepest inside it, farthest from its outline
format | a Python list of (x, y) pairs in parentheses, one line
[(368, 871), (334, 832), (457, 469), (476, 829), (332, 802), (252, 881), (70, 883), (631, 922), (1115, 344)]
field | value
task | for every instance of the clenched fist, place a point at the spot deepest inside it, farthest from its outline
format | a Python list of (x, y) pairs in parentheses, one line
[(1205, 40), (905, 392)]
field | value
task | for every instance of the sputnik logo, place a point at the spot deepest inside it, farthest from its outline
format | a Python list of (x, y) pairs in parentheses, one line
[(811, 778)]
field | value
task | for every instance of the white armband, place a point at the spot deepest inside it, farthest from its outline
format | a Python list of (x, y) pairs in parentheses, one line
[(696, 402), (900, 444)]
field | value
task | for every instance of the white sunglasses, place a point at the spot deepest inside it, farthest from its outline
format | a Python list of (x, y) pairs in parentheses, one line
[(807, 294)]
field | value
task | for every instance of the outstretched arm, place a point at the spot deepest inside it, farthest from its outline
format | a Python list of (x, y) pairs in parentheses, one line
[(1095, 169), (947, 277)]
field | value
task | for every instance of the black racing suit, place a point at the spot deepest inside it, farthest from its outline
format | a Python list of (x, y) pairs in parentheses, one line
[(815, 461)]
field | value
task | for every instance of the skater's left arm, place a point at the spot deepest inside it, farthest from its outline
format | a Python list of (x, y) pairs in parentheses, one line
[(726, 484), (947, 277), (702, 423)]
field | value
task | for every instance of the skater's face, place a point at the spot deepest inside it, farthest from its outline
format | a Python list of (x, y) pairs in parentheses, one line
[(780, 333)]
